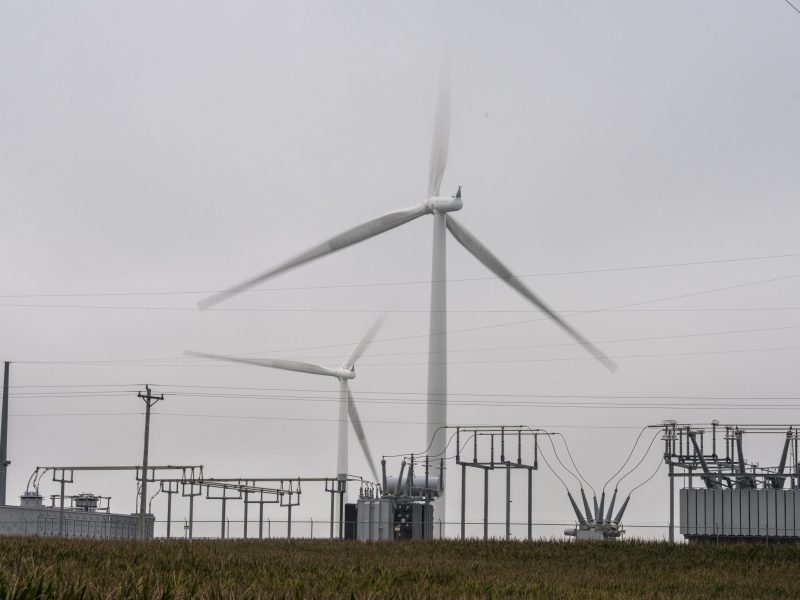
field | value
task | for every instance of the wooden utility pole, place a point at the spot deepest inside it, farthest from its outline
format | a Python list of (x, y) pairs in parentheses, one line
[(149, 400), (4, 462)]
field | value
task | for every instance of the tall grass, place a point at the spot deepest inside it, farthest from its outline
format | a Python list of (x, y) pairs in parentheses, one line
[(68, 569)]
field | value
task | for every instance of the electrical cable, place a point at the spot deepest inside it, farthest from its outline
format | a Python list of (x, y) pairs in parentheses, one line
[(620, 480), (206, 365), (542, 401), (638, 437), (423, 395), (512, 323), (658, 467), (549, 466), (564, 439), (555, 453), (420, 282)]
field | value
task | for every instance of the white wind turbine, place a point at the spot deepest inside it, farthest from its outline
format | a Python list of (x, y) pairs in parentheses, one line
[(440, 207), (347, 406)]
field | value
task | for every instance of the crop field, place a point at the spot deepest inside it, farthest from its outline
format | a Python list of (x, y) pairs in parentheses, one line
[(41, 568)]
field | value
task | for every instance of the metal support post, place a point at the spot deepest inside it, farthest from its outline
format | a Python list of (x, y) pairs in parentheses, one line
[(244, 526), (63, 479), (333, 504), (341, 509), (169, 488), (289, 522), (508, 501), (486, 504), (169, 515), (463, 501), (671, 503), (222, 520), (191, 517), (530, 504), (61, 512), (192, 493)]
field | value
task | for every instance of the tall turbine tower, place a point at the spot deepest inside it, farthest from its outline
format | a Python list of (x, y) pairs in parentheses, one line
[(441, 208)]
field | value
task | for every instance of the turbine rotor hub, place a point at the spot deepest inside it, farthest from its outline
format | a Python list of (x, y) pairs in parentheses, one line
[(442, 204)]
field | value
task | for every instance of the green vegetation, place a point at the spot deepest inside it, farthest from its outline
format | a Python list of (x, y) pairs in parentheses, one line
[(41, 568)]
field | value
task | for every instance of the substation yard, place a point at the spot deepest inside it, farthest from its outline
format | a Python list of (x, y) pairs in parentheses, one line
[(50, 568)]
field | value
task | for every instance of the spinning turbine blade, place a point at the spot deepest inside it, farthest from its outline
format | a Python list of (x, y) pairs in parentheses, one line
[(273, 363), (484, 255), (364, 343), (343, 240), (441, 141), (359, 429)]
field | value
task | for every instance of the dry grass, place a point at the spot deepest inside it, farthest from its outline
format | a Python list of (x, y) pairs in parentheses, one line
[(40, 568)]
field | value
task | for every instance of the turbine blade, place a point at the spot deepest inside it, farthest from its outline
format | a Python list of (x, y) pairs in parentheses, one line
[(364, 343), (273, 363), (441, 139), (484, 255), (359, 429), (343, 240)]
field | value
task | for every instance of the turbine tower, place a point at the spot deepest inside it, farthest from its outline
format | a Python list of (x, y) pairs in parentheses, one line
[(347, 406), (441, 208)]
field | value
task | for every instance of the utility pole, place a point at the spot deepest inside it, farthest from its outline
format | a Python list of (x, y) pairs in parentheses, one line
[(149, 400), (4, 462)]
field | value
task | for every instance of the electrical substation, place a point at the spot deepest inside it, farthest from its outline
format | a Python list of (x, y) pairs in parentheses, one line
[(726, 497)]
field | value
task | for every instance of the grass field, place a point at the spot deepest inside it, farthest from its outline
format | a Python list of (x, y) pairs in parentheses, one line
[(40, 568)]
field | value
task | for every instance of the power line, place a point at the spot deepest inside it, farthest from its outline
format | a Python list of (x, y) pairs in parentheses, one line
[(416, 282), (485, 327), (544, 401), (304, 419), (573, 344), (196, 365), (174, 389), (582, 358), (184, 360)]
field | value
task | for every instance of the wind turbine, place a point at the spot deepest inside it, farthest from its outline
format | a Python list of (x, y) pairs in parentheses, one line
[(347, 406), (441, 208)]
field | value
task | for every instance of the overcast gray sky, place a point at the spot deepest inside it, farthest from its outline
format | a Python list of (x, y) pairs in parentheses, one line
[(153, 152)]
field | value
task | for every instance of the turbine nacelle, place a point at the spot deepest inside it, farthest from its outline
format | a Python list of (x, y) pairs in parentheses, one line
[(343, 373), (443, 204)]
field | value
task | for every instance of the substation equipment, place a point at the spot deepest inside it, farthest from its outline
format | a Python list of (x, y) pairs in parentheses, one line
[(86, 516), (595, 523), (497, 448), (725, 498), (401, 507)]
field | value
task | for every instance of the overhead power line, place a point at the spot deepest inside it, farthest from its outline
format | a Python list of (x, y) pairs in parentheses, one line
[(477, 328), (415, 282), (212, 416), (186, 360), (500, 401), (180, 389), (196, 365)]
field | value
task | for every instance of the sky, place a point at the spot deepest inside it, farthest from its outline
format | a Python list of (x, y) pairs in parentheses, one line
[(633, 161)]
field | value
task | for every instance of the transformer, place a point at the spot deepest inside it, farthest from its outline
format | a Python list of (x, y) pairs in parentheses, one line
[(390, 518)]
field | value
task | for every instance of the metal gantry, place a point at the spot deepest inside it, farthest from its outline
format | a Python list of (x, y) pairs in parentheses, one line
[(486, 442), (66, 474)]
